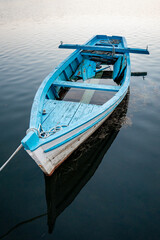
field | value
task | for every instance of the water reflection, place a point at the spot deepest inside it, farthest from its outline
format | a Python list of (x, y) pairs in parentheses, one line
[(68, 180)]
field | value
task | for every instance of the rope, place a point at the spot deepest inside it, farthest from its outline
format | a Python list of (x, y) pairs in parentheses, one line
[(113, 50), (41, 134), (112, 42), (16, 151), (44, 134)]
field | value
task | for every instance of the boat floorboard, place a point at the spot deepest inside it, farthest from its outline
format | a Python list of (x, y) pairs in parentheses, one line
[(60, 113)]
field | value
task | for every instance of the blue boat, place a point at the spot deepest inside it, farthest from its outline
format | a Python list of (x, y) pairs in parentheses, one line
[(99, 69)]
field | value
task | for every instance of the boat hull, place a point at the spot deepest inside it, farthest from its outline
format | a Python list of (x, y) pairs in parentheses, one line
[(48, 156), (59, 126)]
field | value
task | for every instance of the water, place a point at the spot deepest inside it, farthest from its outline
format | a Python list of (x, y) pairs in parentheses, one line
[(112, 190)]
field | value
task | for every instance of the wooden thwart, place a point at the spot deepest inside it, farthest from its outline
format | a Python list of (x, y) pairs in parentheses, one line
[(99, 87)]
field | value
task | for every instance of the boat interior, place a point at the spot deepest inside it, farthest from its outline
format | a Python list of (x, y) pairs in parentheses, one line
[(85, 82)]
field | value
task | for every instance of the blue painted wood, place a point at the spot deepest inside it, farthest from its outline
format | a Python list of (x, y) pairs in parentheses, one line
[(50, 93), (90, 69), (70, 110), (40, 98), (64, 113), (99, 87), (31, 140), (61, 108), (83, 110), (116, 68), (119, 67), (68, 71), (107, 48), (123, 65), (111, 104), (86, 69), (49, 106), (74, 65), (72, 71), (85, 129), (37, 107)]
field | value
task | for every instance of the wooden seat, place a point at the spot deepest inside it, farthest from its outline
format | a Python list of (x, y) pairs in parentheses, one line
[(84, 85)]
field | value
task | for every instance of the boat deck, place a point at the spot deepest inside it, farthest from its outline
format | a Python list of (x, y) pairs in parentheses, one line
[(81, 98), (60, 113)]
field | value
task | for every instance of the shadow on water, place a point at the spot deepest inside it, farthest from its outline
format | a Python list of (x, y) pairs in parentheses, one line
[(68, 180)]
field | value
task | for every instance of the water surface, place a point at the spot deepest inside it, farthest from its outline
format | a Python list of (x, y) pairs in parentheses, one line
[(117, 193)]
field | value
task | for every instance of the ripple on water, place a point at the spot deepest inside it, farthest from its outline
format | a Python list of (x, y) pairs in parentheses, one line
[(127, 182)]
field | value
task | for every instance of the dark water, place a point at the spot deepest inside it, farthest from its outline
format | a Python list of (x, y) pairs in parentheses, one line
[(110, 188)]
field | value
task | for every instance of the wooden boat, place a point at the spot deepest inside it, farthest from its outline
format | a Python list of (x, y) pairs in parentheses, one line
[(58, 125)]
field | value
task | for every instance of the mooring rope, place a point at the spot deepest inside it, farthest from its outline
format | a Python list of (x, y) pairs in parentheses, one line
[(112, 42), (41, 134), (44, 134), (9, 159)]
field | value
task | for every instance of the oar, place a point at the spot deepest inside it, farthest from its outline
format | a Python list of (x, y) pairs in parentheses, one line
[(107, 49), (109, 74), (139, 74)]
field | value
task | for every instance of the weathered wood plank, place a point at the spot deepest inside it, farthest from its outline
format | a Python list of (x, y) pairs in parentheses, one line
[(83, 111), (55, 116), (99, 87), (86, 69), (64, 113), (71, 109), (49, 106)]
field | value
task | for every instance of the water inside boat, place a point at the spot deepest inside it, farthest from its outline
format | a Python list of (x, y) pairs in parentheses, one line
[(91, 96), (85, 84)]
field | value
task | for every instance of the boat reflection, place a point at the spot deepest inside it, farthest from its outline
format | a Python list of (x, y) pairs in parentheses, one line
[(68, 180)]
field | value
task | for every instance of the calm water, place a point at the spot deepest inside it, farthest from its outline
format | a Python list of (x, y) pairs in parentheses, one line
[(110, 188)]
